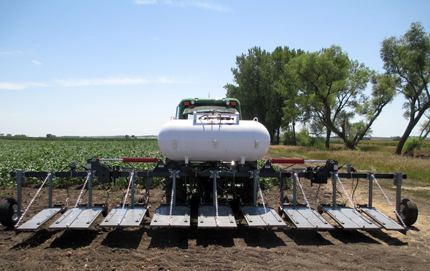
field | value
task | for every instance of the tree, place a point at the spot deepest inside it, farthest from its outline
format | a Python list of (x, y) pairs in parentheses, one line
[(425, 129), (254, 87), (252, 78), (407, 60), (287, 109), (332, 87), (255, 78)]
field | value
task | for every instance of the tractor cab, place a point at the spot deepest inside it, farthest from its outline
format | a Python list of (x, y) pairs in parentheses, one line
[(187, 107)]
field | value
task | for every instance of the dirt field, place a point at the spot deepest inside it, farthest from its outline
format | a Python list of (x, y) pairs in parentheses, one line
[(196, 249)]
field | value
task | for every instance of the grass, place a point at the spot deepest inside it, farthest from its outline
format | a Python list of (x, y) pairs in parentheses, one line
[(364, 161), (377, 159)]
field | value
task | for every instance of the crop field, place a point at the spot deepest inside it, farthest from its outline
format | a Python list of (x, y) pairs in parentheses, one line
[(33, 154), (43, 154)]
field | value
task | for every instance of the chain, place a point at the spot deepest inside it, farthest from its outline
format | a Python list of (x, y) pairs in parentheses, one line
[(304, 196), (31, 202), (125, 198), (350, 201), (264, 205), (398, 215), (216, 205), (171, 206), (79, 198)]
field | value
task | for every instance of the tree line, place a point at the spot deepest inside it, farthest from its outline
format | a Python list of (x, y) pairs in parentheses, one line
[(324, 91)]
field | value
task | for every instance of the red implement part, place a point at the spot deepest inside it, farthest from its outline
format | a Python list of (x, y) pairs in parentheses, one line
[(287, 161), (139, 160)]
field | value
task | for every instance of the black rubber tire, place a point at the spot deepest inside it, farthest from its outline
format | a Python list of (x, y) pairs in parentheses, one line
[(408, 211), (8, 215)]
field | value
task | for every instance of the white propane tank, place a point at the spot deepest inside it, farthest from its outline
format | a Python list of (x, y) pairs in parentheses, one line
[(214, 137)]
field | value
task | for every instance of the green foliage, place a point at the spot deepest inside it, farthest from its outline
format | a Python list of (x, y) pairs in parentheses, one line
[(304, 139), (43, 154), (411, 145), (257, 79), (332, 93), (407, 61), (267, 183), (288, 138)]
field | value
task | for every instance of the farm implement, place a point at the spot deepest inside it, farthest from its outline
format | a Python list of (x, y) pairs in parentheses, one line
[(212, 179)]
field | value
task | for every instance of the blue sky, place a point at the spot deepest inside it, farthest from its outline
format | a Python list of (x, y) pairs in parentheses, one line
[(116, 67)]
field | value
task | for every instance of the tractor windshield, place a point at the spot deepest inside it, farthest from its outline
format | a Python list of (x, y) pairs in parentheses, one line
[(188, 112)]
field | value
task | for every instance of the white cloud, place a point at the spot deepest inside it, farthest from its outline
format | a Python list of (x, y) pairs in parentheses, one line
[(95, 82), (173, 80), (101, 81), (36, 62), (146, 2), (119, 81), (190, 3), (10, 52), (209, 5), (18, 86)]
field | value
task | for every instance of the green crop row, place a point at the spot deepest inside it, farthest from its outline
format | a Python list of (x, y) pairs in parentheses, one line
[(57, 154), (31, 154)]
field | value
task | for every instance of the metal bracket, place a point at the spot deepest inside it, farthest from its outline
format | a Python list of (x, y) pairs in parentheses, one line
[(215, 173), (370, 178), (20, 180), (398, 180), (176, 172)]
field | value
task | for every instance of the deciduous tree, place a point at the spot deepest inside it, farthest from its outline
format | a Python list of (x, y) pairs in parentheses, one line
[(407, 60), (333, 87)]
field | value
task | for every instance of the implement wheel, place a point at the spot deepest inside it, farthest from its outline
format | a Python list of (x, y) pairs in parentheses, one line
[(8, 215), (408, 212)]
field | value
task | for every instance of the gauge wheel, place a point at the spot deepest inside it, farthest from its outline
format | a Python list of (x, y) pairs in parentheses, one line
[(8, 214), (408, 211)]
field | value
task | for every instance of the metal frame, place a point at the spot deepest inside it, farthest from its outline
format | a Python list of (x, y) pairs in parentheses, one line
[(252, 213)]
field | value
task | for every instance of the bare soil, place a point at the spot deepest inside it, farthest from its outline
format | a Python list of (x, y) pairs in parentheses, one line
[(218, 249)]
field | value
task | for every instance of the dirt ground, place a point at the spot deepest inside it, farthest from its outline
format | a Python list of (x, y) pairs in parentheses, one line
[(243, 248)]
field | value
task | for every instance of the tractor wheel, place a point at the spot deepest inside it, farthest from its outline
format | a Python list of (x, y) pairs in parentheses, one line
[(408, 212), (8, 215)]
